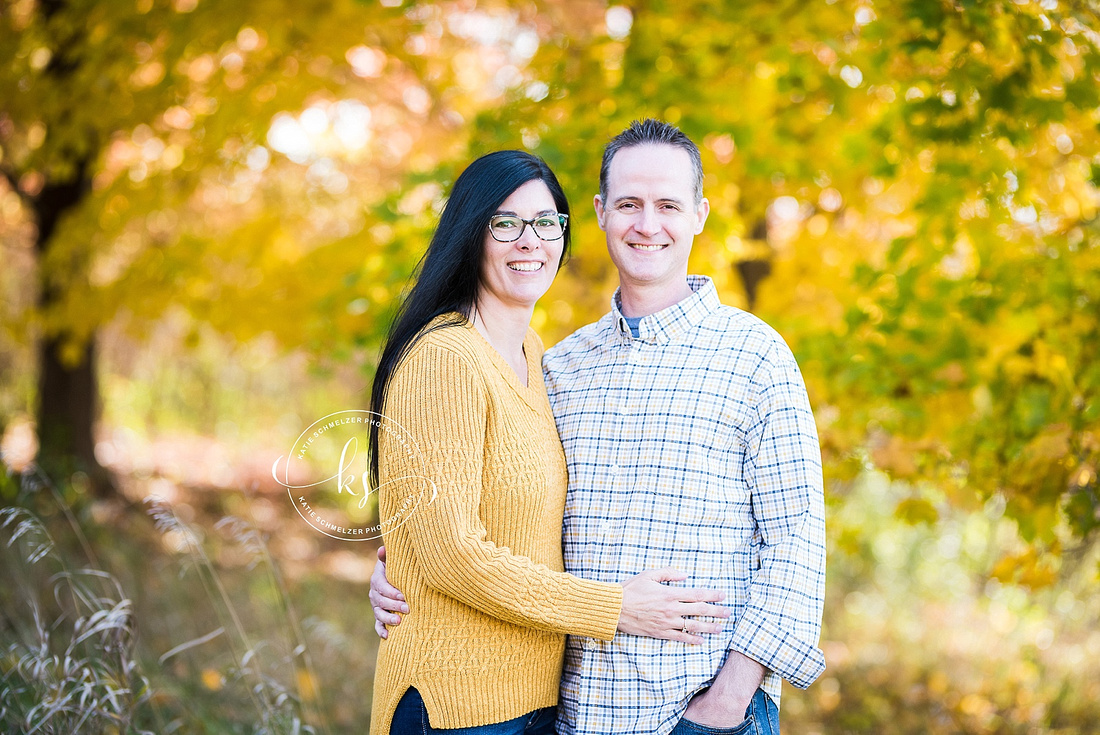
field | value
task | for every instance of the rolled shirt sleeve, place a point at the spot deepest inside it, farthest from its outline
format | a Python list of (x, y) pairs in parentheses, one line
[(782, 621)]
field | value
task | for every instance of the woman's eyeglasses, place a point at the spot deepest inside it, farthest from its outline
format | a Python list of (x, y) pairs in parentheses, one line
[(509, 228)]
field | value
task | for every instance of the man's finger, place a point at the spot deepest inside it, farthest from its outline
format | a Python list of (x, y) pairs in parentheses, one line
[(382, 586), (385, 589), (387, 618), (382, 593), (379, 600)]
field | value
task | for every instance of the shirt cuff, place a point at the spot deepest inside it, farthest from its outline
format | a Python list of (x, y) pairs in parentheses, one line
[(760, 639)]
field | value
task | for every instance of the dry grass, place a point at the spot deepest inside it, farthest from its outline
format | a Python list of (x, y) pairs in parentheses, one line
[(69, 664), (236, 652)]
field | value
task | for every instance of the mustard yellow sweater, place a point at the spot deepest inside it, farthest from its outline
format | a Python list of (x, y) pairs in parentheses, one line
[(480, 563)]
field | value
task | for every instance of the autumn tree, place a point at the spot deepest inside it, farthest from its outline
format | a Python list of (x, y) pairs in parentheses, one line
[(908, 192), (246, 162)]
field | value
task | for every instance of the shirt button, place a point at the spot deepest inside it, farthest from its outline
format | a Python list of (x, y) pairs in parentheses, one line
[(613, 470)]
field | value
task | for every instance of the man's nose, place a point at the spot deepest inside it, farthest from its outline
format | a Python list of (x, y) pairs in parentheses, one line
[(647, 222)]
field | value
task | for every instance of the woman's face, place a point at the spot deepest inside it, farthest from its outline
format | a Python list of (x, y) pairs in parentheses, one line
[(518, 273)]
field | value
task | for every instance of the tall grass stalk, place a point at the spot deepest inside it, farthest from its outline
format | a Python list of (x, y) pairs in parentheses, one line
[(250, 538), (277, 706), (68, 665), (68, 660)]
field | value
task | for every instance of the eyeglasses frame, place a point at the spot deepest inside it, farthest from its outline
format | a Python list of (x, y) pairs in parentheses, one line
[(563, 220)]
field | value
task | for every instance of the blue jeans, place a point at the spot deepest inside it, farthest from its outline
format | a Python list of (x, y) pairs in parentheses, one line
[(761, 718), (411, 718)]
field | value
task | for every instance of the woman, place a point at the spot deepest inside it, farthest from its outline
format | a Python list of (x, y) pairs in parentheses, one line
[(481, 563)]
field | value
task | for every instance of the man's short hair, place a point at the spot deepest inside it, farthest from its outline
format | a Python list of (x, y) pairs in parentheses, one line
[(656, 132)]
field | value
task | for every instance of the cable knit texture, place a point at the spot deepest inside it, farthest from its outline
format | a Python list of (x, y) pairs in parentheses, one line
[(479, 561)]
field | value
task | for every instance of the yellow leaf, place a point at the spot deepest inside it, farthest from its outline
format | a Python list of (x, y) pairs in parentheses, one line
[(917, 510), (1038, 576), (1029, 568), (306, 686), (1051, 444), (896, 458), (1005, 569), (212, 679), (976, 705)]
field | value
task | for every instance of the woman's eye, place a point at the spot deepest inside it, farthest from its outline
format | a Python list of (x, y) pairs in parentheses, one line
[(545, 222)]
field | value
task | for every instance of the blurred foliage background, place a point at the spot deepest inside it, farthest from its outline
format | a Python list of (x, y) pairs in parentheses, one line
[(207, 210)]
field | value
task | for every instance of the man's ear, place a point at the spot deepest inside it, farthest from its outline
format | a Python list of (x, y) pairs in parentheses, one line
[(701, 213), (597, 204)]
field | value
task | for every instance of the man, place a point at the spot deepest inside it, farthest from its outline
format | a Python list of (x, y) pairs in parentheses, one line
[(690, 444)]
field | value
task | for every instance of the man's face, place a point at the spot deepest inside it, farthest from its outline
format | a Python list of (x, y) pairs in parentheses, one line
[(650, 216)]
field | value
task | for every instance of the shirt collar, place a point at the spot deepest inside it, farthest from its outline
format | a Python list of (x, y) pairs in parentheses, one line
[(674, 321)]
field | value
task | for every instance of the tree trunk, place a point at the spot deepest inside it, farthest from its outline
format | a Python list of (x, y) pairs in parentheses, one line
[(68, 405), (752, 272), (68, 394)]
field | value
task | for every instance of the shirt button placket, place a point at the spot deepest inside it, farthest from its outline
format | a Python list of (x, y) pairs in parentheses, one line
[(615, 418)]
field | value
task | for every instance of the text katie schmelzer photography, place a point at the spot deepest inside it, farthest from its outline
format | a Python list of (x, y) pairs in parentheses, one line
[(337, 503)]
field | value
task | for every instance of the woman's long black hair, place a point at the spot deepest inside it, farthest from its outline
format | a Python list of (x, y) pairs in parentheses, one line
[(450, 271)]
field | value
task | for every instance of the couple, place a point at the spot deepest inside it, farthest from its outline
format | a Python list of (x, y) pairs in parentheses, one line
[(690, 458)]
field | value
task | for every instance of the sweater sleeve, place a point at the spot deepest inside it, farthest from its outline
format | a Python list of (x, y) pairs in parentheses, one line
[(439, 398)]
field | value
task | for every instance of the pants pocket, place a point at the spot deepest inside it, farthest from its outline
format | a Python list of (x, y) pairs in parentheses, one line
[(687, 727)]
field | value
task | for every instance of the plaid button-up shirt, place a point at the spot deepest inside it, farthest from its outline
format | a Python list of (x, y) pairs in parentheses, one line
[(691, 446)]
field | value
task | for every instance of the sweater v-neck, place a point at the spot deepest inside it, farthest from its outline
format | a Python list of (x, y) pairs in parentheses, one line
[(529, 391)]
